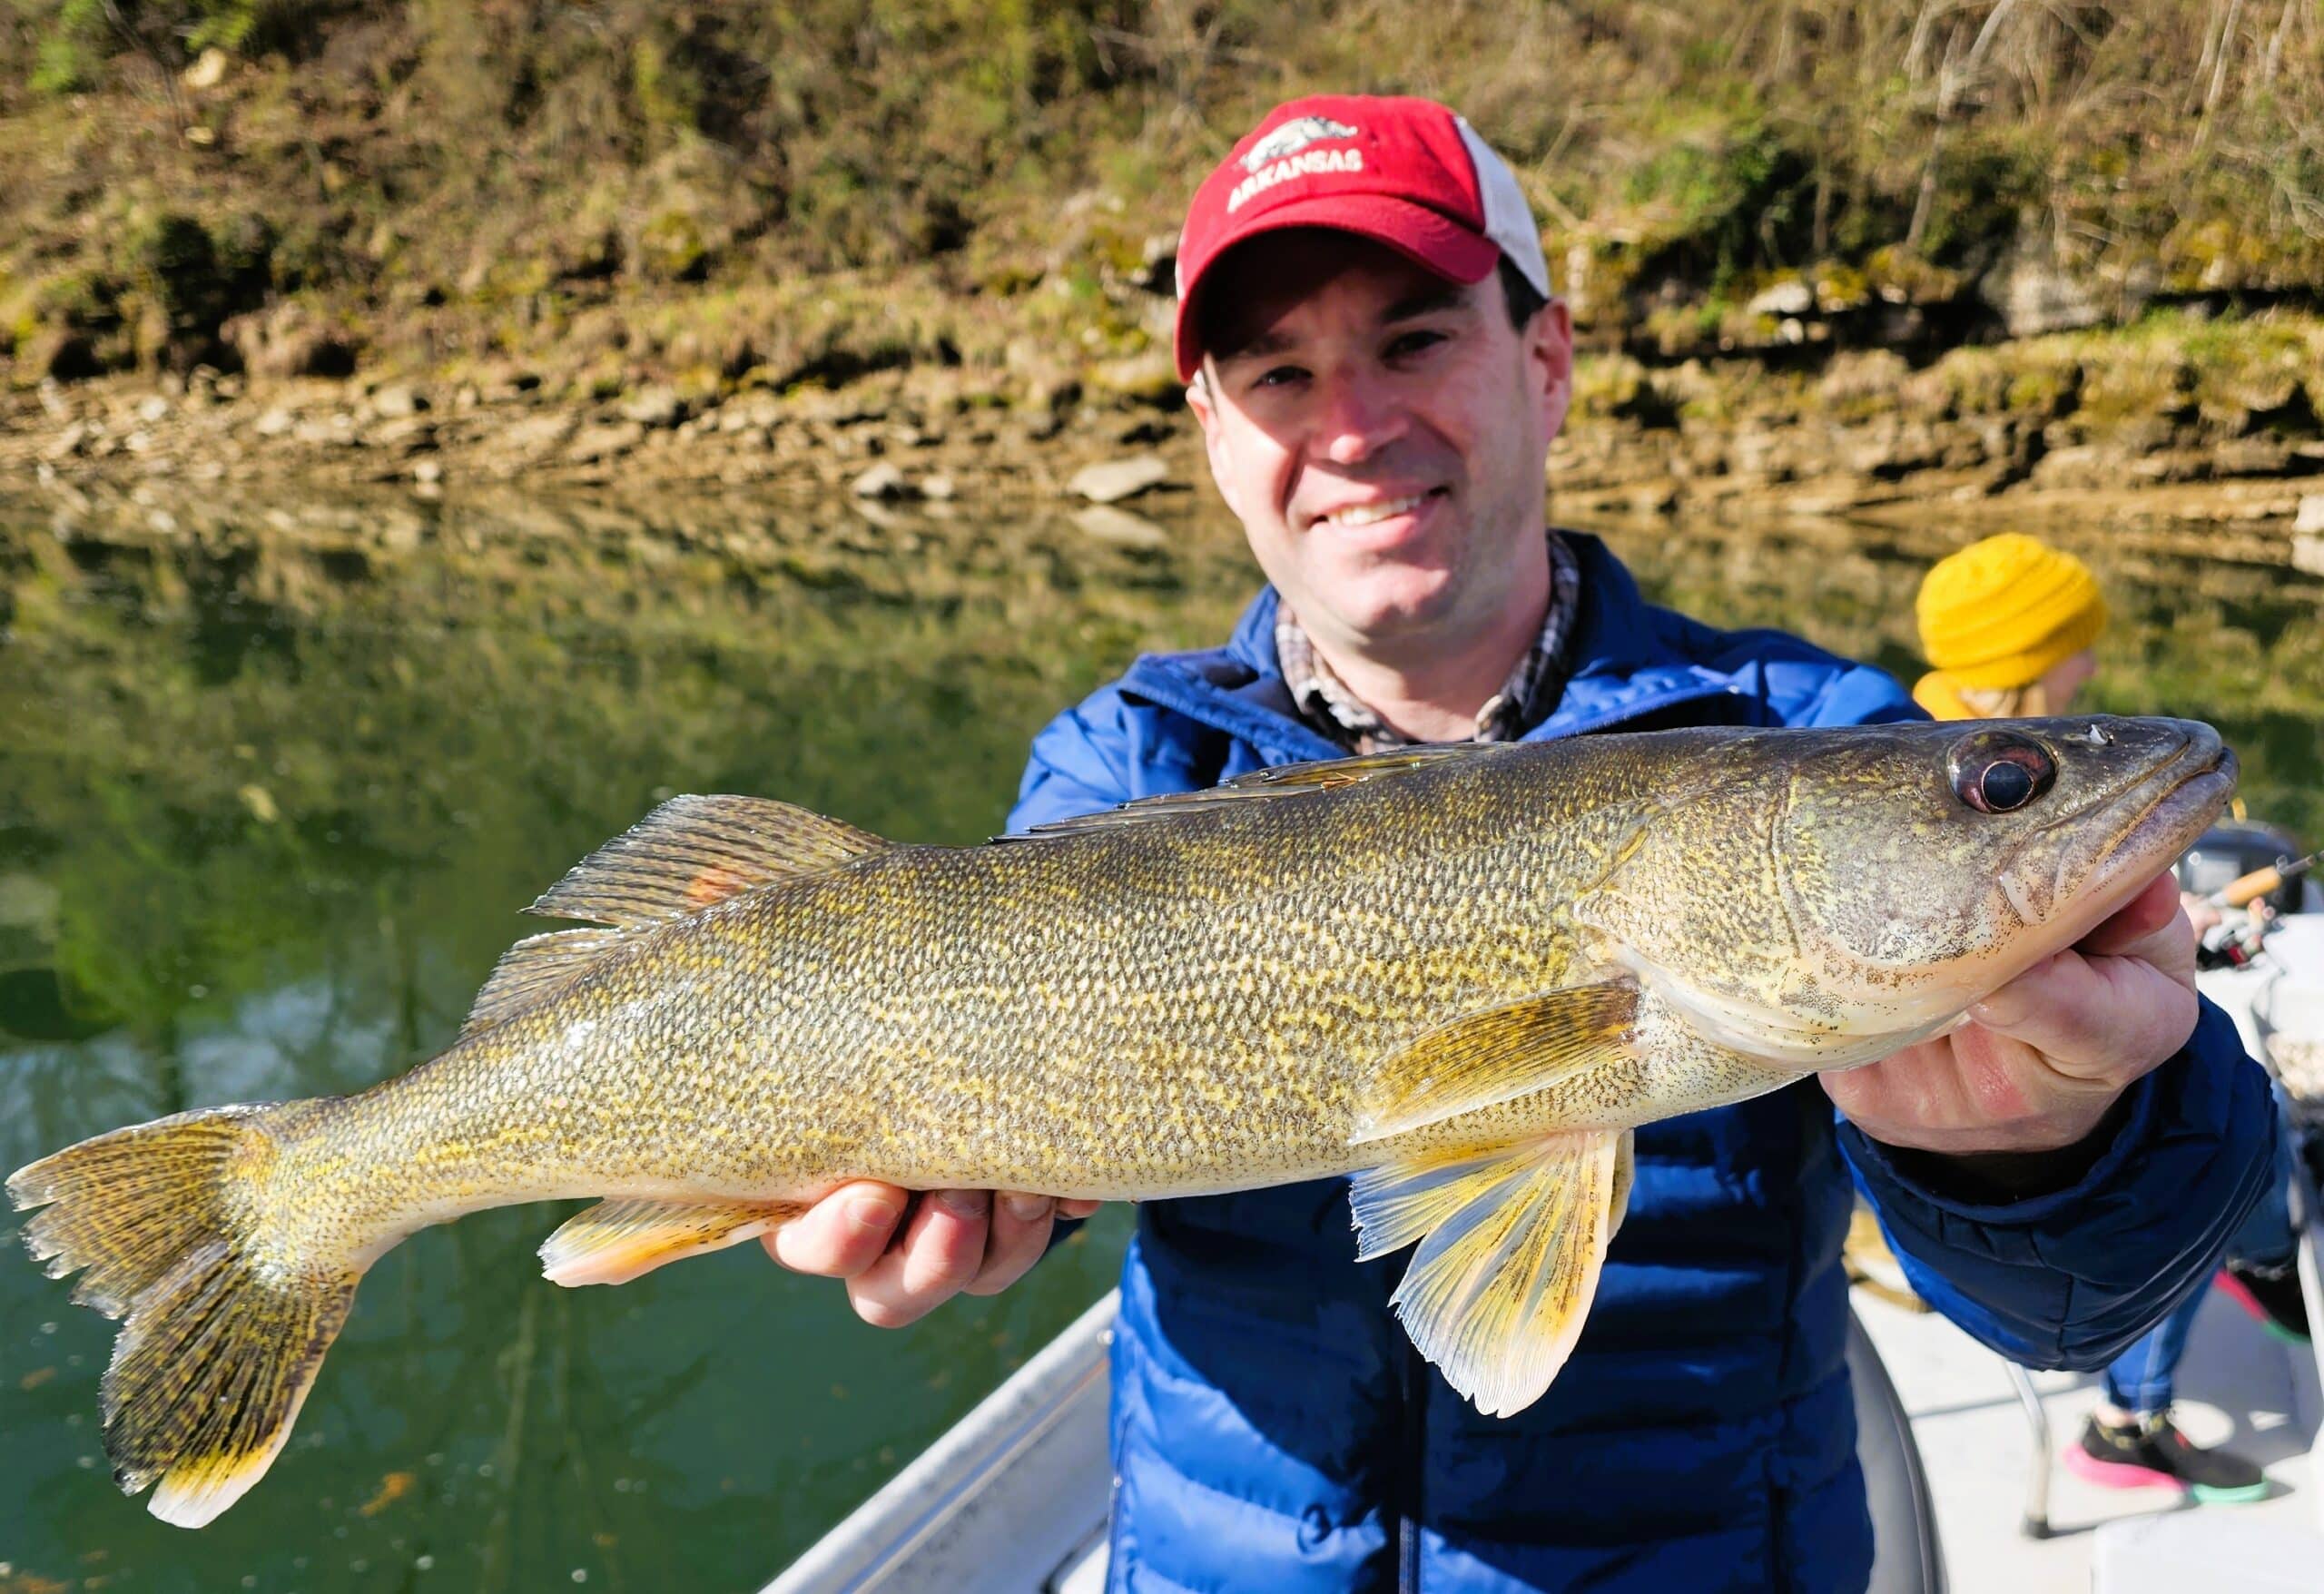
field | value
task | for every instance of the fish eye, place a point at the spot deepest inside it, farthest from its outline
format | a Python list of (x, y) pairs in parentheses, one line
[(1998, 771)]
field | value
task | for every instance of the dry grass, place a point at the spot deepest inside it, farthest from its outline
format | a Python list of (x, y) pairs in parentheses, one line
[(456, 175)]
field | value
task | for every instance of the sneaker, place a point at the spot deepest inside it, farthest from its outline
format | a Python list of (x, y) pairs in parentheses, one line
[(2152, 1453), (2275, 1301)]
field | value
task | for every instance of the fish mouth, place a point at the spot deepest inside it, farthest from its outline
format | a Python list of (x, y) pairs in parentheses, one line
[(2166, 812)]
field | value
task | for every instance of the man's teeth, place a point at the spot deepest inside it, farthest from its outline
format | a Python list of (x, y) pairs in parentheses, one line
[(1367, 513)]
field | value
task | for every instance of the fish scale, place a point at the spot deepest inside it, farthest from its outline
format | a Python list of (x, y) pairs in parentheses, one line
[(1462, 975)]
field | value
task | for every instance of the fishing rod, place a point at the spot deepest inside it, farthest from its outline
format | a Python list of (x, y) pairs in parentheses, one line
[(2246, 890)]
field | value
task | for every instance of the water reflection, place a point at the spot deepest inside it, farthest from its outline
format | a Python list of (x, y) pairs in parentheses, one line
[(267, 802)]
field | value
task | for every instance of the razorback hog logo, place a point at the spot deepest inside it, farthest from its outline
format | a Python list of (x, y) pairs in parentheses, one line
[(1277, 158)]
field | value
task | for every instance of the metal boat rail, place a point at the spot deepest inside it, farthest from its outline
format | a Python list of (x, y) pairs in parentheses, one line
[(1010, 1500)]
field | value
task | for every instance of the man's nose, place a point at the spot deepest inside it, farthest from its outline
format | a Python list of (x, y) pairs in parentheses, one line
[(1359, 417)]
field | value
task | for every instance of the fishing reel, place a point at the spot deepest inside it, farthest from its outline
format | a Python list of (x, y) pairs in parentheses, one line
[(2244, 908), (2235, 939)]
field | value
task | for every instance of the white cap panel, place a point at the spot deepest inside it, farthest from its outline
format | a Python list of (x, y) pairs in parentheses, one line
[(1509, 220)]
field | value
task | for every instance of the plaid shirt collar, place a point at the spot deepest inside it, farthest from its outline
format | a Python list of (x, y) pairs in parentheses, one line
[(1526, 699)]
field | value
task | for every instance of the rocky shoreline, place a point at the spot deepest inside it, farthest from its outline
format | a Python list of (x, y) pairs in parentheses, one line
[(2218, 432)]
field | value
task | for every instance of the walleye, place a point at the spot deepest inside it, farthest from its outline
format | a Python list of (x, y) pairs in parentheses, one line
[(1459, 974)]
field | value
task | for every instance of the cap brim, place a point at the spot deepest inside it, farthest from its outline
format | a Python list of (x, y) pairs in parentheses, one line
[(1429, 238)]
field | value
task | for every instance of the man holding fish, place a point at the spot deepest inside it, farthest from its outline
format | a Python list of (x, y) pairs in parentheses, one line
[(1379, 366), (1395, 1033)]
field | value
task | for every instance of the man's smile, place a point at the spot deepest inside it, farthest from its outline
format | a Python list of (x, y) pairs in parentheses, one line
[(1372, 511)]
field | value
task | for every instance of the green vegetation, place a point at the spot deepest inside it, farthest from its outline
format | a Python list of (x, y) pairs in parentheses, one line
[(454, 183), (74, 40)]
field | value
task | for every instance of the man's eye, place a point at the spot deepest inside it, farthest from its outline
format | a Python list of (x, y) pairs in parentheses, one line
[(1278, 376), (1405, 344)]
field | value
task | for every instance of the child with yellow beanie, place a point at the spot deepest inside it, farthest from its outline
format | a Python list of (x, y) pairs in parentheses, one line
[(2008, 625)]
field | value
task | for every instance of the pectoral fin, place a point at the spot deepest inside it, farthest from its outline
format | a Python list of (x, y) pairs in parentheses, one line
[(1511, 1239), (614, 1242), (1485, 1059)]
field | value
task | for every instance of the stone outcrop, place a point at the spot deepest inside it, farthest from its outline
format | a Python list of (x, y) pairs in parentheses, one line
[(2180, 423)]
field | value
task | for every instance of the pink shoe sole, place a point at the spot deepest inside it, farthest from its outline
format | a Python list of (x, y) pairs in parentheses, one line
[(2117, 1475), (2228, 1284)]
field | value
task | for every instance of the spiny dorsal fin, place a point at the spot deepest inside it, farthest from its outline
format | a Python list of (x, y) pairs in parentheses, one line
[(692, 851), (1482, 1059), (1512, 1240), (533, 970), (1290, 779)]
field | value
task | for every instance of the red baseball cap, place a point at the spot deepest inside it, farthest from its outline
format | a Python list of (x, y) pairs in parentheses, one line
[(1405, 173)]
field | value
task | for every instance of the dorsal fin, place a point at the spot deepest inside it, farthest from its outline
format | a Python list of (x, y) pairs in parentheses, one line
[(1289, 780), (533, 970), (692, 851)]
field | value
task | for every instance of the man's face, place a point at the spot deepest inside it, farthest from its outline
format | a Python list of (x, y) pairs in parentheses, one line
[(1381, 433)]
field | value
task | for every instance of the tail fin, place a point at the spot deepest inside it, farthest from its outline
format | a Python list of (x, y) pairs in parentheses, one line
[(220, 1345)]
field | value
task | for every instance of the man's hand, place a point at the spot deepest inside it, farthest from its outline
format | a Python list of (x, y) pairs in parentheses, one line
[(2043, 1058), (980, 1241)]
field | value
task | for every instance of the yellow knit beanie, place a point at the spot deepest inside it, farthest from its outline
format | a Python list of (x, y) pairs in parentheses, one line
[(1999, 614)]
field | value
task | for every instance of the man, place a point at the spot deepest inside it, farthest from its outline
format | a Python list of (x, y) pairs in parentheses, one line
[(1378, 367)]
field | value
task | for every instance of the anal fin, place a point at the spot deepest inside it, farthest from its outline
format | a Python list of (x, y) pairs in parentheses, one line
[(614, 1242), (1511, 1239)]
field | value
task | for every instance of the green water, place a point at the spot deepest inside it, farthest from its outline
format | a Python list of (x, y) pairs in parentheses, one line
[(268, 805)]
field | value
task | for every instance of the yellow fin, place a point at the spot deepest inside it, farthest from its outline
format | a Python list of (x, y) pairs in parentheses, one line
[(1287, 780), (617, 1241), (1485, 1059), (218, 1345), (692, 851), (1511, 1239)]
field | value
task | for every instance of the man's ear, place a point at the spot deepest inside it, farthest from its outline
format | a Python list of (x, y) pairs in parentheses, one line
[(1198, 398), (1548, 363), (1202, 398)]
